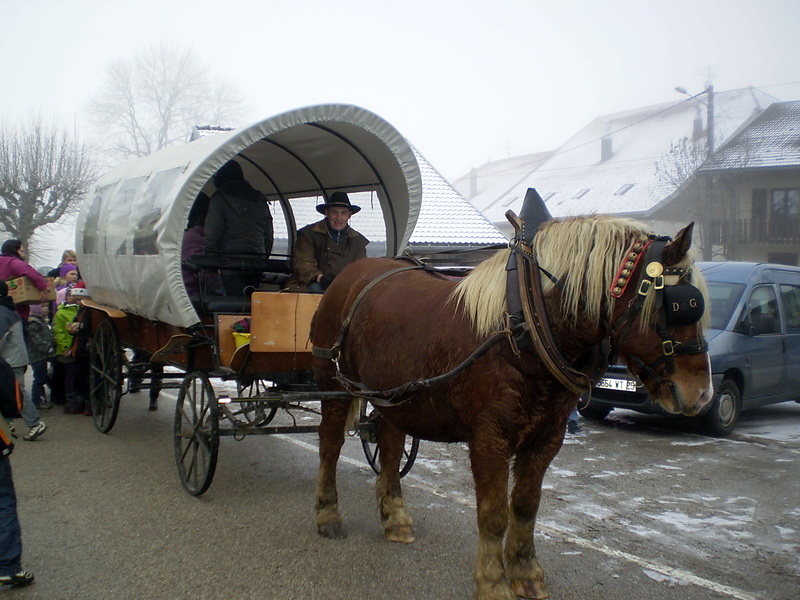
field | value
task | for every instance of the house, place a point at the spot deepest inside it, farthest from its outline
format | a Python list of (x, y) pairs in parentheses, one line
[(757, 173), (637, 163)]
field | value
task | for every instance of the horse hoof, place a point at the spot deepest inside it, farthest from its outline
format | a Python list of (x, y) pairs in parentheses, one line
[(332, 531), (530, 589), (403, 534)]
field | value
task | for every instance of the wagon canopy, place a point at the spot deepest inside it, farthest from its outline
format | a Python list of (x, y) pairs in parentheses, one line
[(130, 228)]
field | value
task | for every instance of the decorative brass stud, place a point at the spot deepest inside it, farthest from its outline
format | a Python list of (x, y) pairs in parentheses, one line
[(655, 269)]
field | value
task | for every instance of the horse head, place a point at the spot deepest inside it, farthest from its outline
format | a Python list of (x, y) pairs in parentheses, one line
[(657, 324)]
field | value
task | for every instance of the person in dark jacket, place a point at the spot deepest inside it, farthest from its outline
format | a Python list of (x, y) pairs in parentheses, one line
[(238, 222), (11, 573), (326, 247)]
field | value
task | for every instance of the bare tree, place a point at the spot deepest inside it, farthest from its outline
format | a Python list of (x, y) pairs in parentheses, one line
[(711, 198), (44, 174), (154, 99)]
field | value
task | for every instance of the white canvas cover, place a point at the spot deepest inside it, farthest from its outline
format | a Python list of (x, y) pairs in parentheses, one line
[(130, 228)]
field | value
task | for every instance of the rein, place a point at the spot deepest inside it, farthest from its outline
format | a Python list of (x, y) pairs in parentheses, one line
[(402, 393), (528, 296)]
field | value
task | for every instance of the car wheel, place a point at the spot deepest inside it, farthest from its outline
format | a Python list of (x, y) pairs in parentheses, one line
[(721, 420), (594, 413)]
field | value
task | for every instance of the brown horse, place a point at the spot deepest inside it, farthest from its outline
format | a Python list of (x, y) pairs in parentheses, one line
[(414, 325)]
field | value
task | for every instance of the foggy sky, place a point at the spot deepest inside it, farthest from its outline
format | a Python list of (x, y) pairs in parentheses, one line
[(465, 81)]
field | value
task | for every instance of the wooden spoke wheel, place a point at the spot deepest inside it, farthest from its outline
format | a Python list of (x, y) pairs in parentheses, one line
[(196, 433), (105, 375), (254, 412), (371, 452)]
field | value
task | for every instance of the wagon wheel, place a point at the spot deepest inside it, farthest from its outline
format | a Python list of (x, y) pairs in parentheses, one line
[(371, 452), (196, 433), (105, 375), (255, 412)]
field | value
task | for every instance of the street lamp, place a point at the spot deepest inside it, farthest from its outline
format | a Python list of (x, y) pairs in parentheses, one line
[(710, 106)]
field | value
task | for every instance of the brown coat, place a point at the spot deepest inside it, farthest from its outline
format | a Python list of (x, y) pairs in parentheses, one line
[(316, 252)]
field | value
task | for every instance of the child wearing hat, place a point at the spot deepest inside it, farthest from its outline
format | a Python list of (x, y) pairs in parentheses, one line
[(67, 329)]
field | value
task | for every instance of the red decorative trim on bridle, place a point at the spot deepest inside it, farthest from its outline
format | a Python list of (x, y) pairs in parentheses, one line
[(634, 254)]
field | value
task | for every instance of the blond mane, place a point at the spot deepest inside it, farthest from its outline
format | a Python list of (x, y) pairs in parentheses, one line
[(582, 252)]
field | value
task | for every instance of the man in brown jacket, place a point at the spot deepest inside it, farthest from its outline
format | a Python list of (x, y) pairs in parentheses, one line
[(326, 247)]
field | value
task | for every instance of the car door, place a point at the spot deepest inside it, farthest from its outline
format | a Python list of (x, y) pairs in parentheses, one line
[(790, 296), (760, 349)]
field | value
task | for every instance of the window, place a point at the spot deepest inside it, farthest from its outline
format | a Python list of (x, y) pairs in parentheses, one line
[(548, 195), (581, 194), (762, 308), (791, 300), (624, 189), (785, 203), (759, 204)]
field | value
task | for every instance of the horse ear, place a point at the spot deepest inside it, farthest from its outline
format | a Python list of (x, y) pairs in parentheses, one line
[(677, 248)]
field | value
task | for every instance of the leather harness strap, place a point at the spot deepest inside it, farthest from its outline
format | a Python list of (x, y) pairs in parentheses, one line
[(535, 313), (332, 353)]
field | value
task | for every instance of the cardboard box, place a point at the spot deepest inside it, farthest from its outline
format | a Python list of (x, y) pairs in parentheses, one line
[(22, 291)]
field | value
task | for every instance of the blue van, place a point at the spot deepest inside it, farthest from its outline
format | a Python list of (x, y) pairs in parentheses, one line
[(754, 345)]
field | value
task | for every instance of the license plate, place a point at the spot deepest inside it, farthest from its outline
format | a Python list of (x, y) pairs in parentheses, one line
[(623, 385)]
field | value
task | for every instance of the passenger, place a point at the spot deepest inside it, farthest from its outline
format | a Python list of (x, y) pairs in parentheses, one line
[(12, 264), (238, 222), (66, 328), (12, 348), (192, 245), (326, 247)]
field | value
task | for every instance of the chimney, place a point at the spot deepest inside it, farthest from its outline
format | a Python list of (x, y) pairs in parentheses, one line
[(698, 131), (606, 148)]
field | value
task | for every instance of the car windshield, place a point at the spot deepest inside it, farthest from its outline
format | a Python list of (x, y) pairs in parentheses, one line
[(724, 297)]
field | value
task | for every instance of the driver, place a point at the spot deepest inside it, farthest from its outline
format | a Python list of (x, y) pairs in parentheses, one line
[(326, 247)]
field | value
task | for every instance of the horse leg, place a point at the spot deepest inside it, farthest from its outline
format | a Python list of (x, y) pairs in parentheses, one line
[(397, 523), (331, 438), (522, 568), (490, 471)]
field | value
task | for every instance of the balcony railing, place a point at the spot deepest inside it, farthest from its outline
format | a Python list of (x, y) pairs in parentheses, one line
[(778, 231)]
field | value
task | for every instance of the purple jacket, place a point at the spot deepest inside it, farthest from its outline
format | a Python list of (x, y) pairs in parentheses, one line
[(11, 267)]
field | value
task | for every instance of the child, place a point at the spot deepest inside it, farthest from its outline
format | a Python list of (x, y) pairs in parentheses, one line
[(68, 277), (40, 348), (65, 330)]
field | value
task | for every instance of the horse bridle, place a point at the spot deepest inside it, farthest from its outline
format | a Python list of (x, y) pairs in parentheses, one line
[(676, 304), (526, 301)]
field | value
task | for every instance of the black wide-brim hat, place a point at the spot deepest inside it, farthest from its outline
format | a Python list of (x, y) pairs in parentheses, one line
[(338, 199)]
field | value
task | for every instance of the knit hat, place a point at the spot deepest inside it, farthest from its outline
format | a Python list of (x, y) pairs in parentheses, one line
[(66, 268), (80, 290)]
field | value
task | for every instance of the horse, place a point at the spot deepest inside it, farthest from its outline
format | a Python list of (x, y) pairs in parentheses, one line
[(381, 325)]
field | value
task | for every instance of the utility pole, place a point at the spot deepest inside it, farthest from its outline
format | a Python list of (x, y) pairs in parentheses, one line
[(710, 130)]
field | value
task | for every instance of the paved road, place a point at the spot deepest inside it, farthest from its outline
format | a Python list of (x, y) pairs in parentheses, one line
[(633, 509)]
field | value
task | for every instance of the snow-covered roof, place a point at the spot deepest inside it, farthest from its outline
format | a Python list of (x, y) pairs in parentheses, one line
[(770, 141), (489, 185), (577, 179)]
